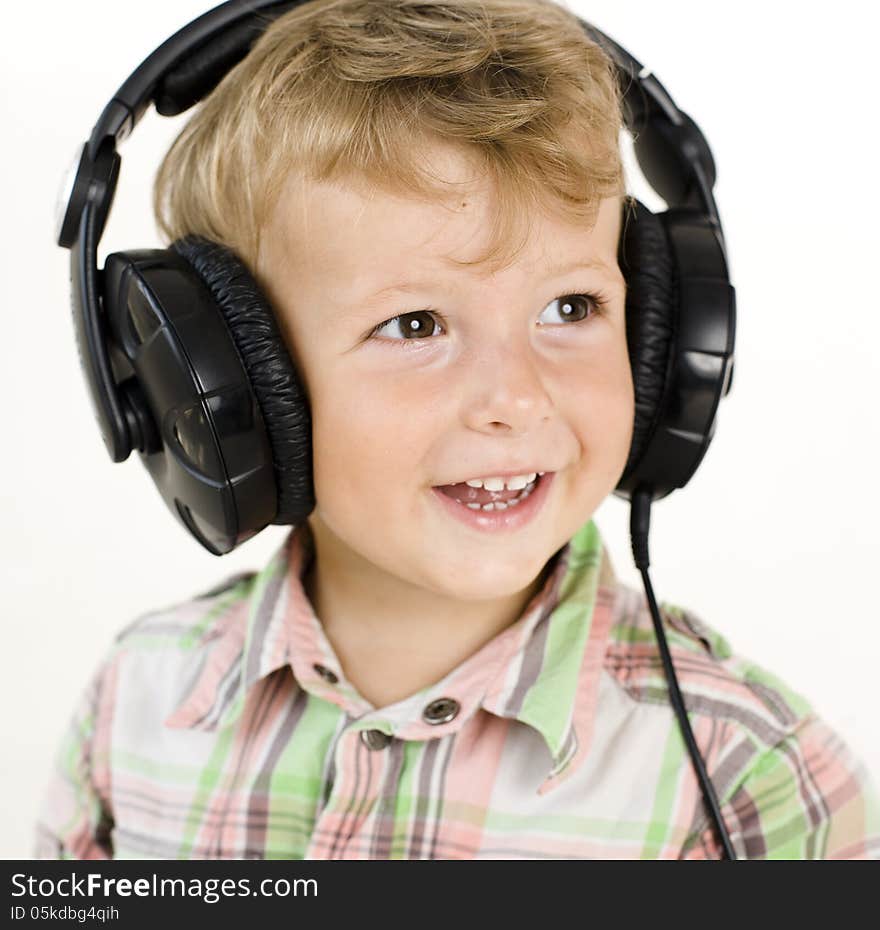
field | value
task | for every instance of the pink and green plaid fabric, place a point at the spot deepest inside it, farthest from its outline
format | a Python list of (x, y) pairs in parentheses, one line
[(224, 727)]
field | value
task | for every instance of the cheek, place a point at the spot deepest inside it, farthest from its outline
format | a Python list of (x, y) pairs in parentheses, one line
[(369, 431), (620, 400), (603, 408)]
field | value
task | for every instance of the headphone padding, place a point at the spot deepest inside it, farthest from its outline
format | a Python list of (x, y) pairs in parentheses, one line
[(273, 376), (646, 261)]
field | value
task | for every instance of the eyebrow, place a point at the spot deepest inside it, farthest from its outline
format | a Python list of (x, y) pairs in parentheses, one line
[(554, 270)]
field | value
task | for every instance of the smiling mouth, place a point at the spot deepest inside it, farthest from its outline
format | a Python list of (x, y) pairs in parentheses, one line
[(481, 499)]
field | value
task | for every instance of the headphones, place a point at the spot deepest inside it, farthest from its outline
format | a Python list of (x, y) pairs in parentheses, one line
[(185, 363)]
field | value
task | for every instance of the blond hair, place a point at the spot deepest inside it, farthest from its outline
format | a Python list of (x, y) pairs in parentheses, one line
[(353, 91)]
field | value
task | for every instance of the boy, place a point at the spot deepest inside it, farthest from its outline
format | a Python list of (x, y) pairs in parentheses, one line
[(420, 672)]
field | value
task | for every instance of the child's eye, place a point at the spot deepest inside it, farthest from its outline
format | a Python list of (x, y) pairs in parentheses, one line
[(577, 307), (421, 324), (415, 325)]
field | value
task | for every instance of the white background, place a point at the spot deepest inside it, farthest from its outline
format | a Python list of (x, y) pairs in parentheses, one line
[(774, 541)]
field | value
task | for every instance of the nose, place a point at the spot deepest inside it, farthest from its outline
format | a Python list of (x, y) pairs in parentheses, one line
[(509, 394)]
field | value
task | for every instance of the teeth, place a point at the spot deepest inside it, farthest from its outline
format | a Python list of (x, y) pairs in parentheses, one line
[(500, 505), (515, 483)]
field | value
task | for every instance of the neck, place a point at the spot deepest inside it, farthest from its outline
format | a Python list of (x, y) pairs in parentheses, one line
[(394, 638)]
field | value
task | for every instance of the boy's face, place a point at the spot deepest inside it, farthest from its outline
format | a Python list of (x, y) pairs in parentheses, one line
[(482, 389)]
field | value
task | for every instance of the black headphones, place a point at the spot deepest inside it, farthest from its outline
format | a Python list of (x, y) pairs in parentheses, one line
[(185, 362)]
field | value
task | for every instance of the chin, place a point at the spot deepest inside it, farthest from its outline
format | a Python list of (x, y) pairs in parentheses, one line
[(493, 582)]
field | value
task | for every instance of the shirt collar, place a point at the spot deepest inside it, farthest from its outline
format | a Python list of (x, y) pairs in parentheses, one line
[(543, 670)]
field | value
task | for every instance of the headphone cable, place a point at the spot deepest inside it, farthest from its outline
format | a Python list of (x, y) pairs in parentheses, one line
[(640, 521)]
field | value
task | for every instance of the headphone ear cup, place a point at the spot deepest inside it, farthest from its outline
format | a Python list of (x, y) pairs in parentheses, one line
[(646, 262), (271, 371)]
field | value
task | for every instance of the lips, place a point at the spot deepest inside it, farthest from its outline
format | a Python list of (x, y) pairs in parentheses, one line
[(505, 475), (498, 516)]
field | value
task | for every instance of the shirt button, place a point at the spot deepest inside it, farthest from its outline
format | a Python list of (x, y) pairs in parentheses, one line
[(440, 711), (375, 739), (326, 674)]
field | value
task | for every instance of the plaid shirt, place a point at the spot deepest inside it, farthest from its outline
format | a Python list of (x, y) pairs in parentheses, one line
[(224, 727)]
